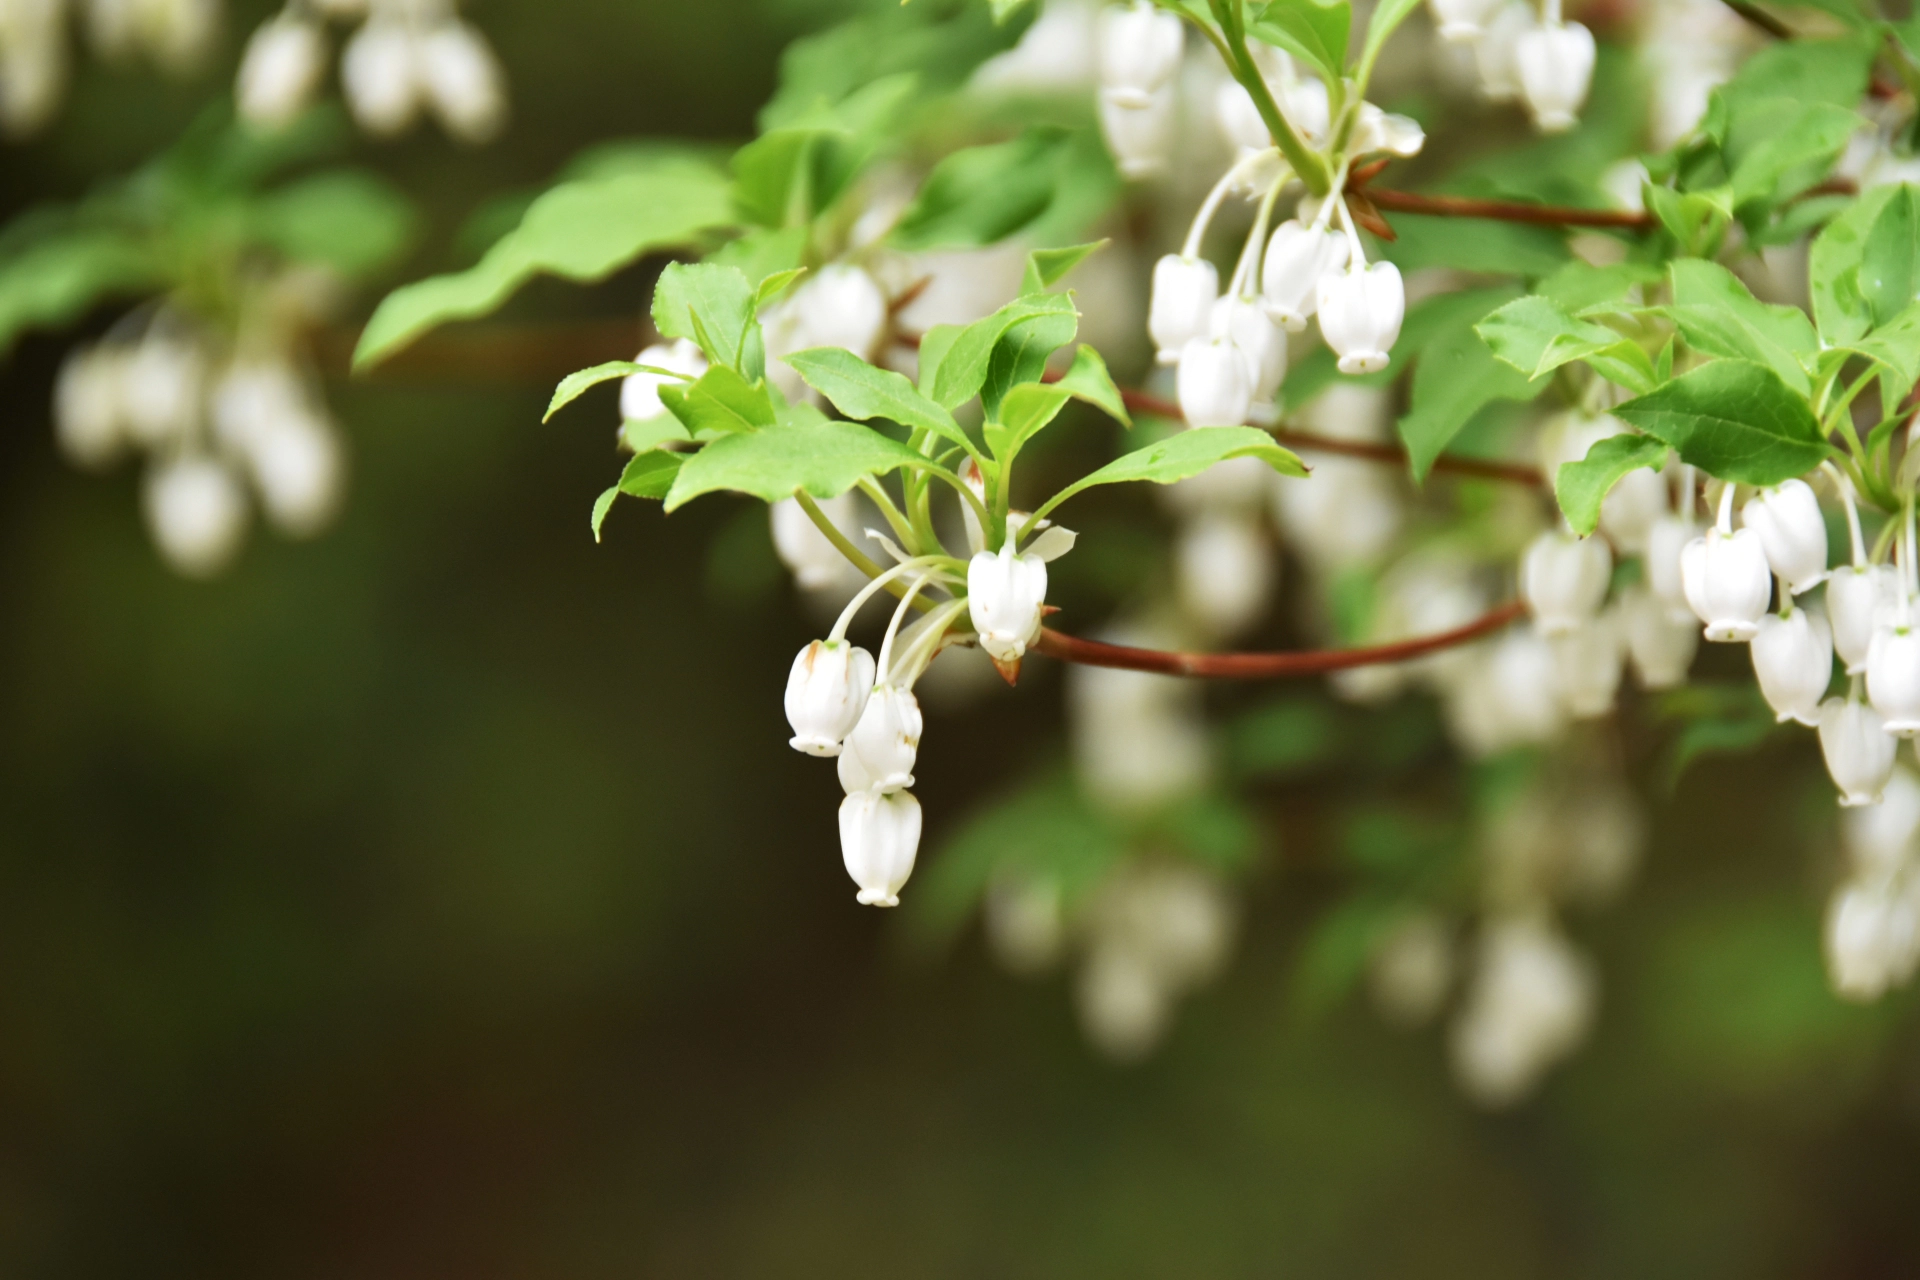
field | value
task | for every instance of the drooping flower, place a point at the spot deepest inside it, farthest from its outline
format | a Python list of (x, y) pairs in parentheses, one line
[(1360, 314), (827, 690), (879, 837)]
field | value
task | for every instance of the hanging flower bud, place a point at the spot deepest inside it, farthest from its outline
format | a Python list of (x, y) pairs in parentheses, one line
[(1262, 344), (196, 513), (280, 70), (1461, 21), (1376, 130), (1893, 678), (463, 81), (1793, 660), (1360, 314), (1858, 749), (1667, 540), (87, 418), (1184, 291), (1139, 48), (1140, 138), (162, 385), (300, 469), (1661, 645), (1215, 389), (640, 392), (1005, 593), (1726, 582), (1854, 595), (879, 836), (1564, 581), (379, 77), (1587, 663), (1555, 66), (878, 755), (1792, 531), (1298, 257), (827, 689), (1494, 53)]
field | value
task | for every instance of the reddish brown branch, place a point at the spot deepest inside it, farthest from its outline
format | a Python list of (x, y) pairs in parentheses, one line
[(1266, 666), (1545, 215), (1477, 468)]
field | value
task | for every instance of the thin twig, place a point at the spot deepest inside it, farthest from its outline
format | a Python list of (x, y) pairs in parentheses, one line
[(1545, 215), (1266, 666), (1293, 438), (1761, 19)]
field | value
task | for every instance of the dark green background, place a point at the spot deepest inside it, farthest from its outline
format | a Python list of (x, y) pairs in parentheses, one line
[(441, 898)]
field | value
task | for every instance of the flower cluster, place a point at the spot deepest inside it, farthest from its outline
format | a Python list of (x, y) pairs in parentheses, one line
[(1521, 54), (408, 56), (176, 34)]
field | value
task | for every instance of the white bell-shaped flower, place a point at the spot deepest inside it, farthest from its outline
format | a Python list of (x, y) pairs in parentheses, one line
[(879, 836), (1793, 660), (1855, 597), (380, 77), (1360, 314), (87, 418), (1262, 344), (1629, 512), (1587, 663), (1858, 749), (879, 754), (463, 81), (1214, 387), (1224, 569), (1494, 53), (1661, 644), (1239, 119), (1140, 138), (299, 467), (1792, 531), (1376, 131), (1298, 256), (640, 392), (1184, 293), (280, 70), (1893, 678), (1726, 582), (842, 306), (1005, 597), (1564, 581), (1460, 21), (827, 689), (197, 514), (1555, 66), (1139, 50), (1667, 541)]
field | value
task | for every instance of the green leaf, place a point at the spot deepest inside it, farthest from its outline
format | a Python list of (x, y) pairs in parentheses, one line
[(1536, 337), (981, 195), (580, 231), (955, 368), (825, 458), (1021, 355), (712, 305), (1580, 287), (862, 392), (642, 434), (794, 173), (1307, 29), (1024, 412), (1047, 267), (1896, 346), (354, 222), (1735, 420), (56, 279), (1719, 317), (1840, 311), (1697, 223), (577, 384), (1783, 147), (1453, 379), (1833, 72), (1582, 486), (1890, 259), (720, 403), (647, 475), (1088, 380), (1185, 454)]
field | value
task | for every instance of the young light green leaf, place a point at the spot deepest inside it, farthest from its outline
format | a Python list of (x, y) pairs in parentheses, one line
[(1024, 412), (1047, 267), (1734, 420), (56, 279), (1890, 259), (1022, 354), (641, 434), (1454, 378), (581, 231), (1719, 317), (1697, 221), (960, 367), (1582, 486), (647, 475), (712, 305), (862, 392), (602, 505), (825, 458), (981, 195), (1307, 29), (577, 384), (1840, 311), (1185, 454), (1896, 346), (720, 403), (1087, 379), (1536, 337)]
